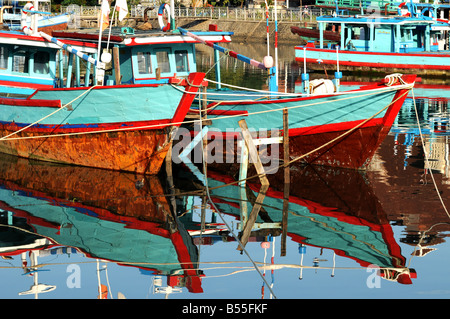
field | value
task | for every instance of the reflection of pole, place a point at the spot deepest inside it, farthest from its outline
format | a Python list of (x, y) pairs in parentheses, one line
[(334, 264), (302, 251), (286, 180), (36, 288), (253, 154)]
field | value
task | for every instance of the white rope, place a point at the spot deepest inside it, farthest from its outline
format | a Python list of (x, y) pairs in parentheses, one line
[(255, 90), (426, 157), (223, 219), (34, 123)]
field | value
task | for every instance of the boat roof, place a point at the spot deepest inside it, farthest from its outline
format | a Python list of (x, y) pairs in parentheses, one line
[(372, 19), (131, 37), (119, 36)]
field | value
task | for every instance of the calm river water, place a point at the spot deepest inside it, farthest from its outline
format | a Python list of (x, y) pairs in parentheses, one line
[(70, 232)]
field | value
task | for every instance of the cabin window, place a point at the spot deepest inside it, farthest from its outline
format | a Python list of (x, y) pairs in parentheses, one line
[(41, 62), (20, 61), (162, 58), (144, 62), (181, 61), (4, 53)]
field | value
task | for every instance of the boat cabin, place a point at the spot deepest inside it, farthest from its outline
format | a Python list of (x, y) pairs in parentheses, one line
[(383, 34), (31, 62)]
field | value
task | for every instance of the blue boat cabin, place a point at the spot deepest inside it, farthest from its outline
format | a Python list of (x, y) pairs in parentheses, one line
[(24, 68), (383, 34)]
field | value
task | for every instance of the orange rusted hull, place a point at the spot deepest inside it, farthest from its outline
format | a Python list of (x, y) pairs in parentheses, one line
[(94, 135), (140, 151)]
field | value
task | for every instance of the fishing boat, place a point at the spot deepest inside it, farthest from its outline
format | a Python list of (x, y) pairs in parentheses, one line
[(309, 34), (382, 44), (119, 118), (325, 126), (15, 17)]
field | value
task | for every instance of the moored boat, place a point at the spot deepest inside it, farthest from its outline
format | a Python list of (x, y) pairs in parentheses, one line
[(308, 34), (120, 119), (15, 17), (417, 44), (341, 129)]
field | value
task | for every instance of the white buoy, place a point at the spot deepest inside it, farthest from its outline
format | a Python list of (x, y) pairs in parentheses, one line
[(268, 61)]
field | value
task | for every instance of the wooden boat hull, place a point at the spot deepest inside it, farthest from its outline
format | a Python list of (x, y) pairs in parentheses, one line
[(308, 33), (333, 130), (46, 24), (124, 128)]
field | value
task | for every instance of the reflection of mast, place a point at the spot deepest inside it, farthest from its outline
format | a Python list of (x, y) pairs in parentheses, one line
[(266, 245), (158, 287), (36, 288), (302, 251)]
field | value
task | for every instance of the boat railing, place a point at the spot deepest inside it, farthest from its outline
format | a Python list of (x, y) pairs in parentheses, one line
[(305, 13), (389, 5)]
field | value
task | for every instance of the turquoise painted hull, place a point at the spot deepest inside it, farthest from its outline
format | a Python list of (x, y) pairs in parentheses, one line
[(303, 113), (342, 129), (323, 212), (125, 104), (413, 62)]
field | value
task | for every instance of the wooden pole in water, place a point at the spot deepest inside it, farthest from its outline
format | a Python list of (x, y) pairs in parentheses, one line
[(253, 154), (286, 180)]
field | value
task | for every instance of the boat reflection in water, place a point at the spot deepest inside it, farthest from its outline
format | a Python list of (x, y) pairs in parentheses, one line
[(122, 218), (129, 220), (329, 208)]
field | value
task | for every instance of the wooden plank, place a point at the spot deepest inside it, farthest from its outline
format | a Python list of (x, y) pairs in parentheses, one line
[(253, 154), (117, 65)]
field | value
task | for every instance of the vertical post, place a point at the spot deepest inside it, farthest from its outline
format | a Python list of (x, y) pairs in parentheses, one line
[(253, 154), (428, 37), (286, 180), (77, 71), (87, 75), (172, 15), (321, 34), (276, 43), (61, 68), (217, 69), (397, 38), (242, 184), (343, 36), (69, 71), (371, 36), (117, 65)]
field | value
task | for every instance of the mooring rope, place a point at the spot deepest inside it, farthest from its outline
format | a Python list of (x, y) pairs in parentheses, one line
[(225, 222), (372, 92), (426, 157)]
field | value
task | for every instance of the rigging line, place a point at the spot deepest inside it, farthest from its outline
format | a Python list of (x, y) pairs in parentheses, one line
[(311, 152), (61, 108), (225, 222), (254, 90), (373, 92), (426, 157), (432, 177), (281, 94)]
